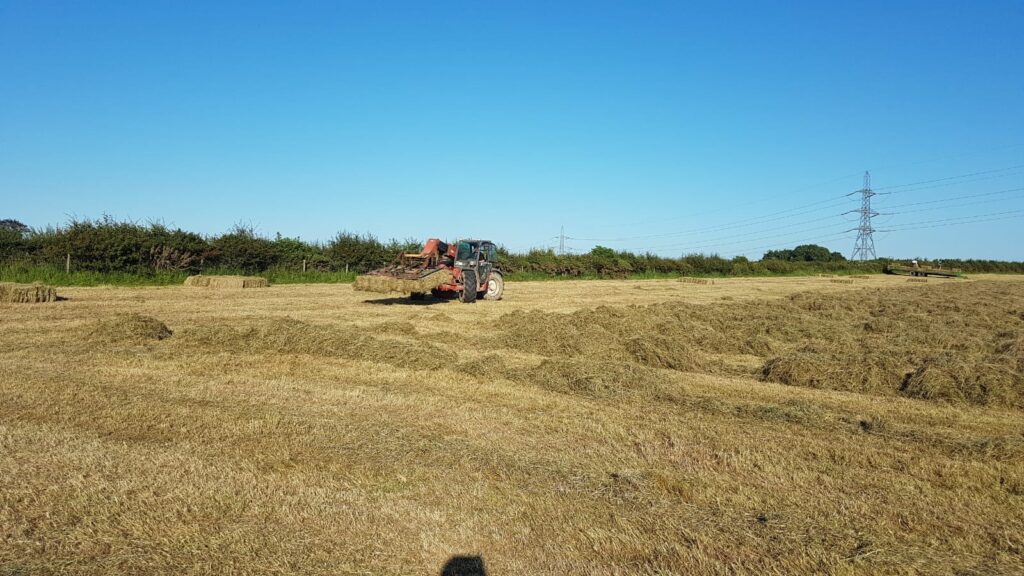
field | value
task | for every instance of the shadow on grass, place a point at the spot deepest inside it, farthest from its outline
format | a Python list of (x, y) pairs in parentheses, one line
[(406, 301)]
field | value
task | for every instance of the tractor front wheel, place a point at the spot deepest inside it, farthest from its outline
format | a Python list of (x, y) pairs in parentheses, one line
[(495, 287), (469, 286)]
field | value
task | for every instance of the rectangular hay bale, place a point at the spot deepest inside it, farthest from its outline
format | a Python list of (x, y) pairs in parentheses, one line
[(690, 280), (27, 293), (391, 285), (227, 281)]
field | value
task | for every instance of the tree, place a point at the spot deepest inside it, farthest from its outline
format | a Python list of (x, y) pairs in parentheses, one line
[(804, 253), (11, 225)]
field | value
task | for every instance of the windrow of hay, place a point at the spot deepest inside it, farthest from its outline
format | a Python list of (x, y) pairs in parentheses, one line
[(203, 281), (289, 336), (861, 277), (134, 328), (27, 293), (871, 341), (392, 285), (952, 377)]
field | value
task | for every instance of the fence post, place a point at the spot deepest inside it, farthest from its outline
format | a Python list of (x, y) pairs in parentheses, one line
[(346, 267), (67, 264), (303, 264)]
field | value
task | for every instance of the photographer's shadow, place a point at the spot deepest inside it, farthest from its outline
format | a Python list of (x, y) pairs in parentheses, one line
[(464, 566)]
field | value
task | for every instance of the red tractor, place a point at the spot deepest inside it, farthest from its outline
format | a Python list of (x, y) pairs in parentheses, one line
[(466, 269)]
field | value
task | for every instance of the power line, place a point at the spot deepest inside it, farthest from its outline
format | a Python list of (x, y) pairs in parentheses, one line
[(752, 221), (954, 221), (959, 176), (720, 210), (794, 242), (952, 198), (864, 246), (717, 241), (800, 210)]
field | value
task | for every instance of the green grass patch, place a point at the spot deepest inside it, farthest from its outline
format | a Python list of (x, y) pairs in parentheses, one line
[(54, 276)]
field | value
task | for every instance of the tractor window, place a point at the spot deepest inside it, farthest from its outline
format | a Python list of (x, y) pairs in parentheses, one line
[(465, 251), (492, 253)]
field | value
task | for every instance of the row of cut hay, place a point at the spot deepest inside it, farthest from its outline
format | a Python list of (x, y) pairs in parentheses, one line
[(841, 281), (227, 281), (689, 280), (27, 293), (810, 339), (290, 336), (917, 279), (861, 277), (392, 285), (131, 327)]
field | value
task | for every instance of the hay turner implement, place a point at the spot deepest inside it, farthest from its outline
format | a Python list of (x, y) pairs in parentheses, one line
[(467, 269)]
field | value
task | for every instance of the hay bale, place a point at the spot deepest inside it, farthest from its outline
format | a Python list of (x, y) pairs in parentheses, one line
[(129, 328), (917, 279), (861, 277), (392, 285), (227, 281), (689, 280), (27, 293), (841, 281)]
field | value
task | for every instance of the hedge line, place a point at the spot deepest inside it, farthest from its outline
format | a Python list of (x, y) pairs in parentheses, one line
[(109, 246)]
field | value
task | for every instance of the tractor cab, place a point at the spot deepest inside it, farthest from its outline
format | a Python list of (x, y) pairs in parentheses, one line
[(480, 259), (471, 253)]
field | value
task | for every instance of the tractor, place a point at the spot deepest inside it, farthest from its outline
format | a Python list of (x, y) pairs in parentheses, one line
[(466, 269)]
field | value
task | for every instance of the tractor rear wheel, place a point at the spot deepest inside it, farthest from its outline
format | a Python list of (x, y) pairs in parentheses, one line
[(469, 286), (495, 287)]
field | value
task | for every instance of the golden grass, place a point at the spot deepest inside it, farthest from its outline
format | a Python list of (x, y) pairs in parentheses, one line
[(26, 293), (574, 427), (390, 285), (203, 281)]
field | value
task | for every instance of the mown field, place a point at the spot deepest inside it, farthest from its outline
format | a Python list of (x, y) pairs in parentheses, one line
[(785, 425)]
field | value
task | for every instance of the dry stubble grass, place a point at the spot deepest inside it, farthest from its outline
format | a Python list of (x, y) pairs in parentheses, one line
[(301, 429)]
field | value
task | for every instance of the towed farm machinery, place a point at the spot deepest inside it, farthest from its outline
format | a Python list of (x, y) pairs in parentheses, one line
[(466, 269), (914, 269)]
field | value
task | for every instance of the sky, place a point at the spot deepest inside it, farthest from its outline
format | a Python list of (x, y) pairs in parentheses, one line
[(669, 127)]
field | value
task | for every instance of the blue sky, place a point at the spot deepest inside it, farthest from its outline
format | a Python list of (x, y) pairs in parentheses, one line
[(671, 127)]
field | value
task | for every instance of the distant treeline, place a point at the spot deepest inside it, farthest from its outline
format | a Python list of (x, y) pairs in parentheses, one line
[(110, 246)]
